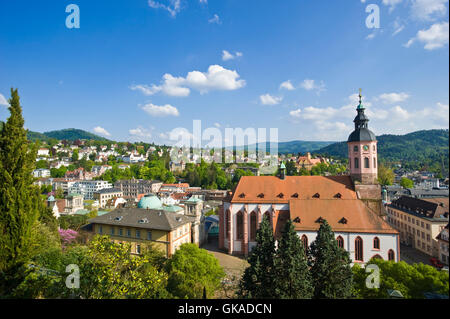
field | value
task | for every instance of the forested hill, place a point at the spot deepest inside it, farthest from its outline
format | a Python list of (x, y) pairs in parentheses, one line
[(428, 147), (69, 134)]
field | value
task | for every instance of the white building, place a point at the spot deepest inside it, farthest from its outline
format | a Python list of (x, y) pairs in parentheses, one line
[(88, 188), (43, 152), (41, 172)]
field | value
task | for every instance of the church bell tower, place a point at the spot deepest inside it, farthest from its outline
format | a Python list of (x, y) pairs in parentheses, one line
[(362, 150)]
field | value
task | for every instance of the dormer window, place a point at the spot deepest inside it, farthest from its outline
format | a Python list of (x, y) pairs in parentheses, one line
[(316, 195), (241, 195), (280, 195), (296, 220), (319, 220), (338, 195), (343, 220), (118, 219), (295, 195), (261, 195)]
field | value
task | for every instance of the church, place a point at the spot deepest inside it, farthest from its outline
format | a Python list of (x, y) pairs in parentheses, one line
[(350, 204)]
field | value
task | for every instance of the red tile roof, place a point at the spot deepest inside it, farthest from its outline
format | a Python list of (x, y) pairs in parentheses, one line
[(343, 215), (272, 189)]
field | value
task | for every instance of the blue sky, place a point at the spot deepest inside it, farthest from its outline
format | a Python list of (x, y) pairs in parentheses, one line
[(135, 70)]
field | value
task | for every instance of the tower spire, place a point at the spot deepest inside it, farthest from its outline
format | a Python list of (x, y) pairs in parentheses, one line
[(360, 99)]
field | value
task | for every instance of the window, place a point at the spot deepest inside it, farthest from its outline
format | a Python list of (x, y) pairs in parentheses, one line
[(358, 249), (356, 162), (240, 225), (253, 226), (391, 255), (120, 232), (305, 243), (418, 232), (376, 243), (374, 148), (409, 219), (227, 223), (355, 148), (417, 222), (422, 225), (412, 220), (366, 162), (149, 235), (340, 241), (423, 235), (428, 237), (374, 162), (138, 234), (128, 233), (112, 230), (138, 249), (428, 226)]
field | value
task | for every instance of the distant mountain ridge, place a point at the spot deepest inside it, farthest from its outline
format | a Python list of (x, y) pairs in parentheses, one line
[(425, 145), (292, 147)]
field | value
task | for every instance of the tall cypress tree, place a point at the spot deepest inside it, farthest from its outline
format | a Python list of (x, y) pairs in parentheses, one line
[(258, 279), (19, 201), (330, 270), (293, 278)]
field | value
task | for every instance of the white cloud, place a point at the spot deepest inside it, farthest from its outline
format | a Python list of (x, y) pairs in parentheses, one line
[(309, 85), (217, 125), (428, 10), (203, 1), (287, 85), (215, 19), (140, 132), (434, 37), (3, 101), (229, 56), (101, 130), (295, 113), (400, 113), (173, 8), (216, 78), (268, 99), (391, 4), (371, 36), (160, 111), (391, 98), (398, 26)]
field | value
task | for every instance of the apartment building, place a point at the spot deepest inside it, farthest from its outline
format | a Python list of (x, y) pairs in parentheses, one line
[(131, 188), (104, 195), (88, 188), (419, 221)]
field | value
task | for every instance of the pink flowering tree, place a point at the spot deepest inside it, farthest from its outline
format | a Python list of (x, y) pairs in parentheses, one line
[(68, 236)]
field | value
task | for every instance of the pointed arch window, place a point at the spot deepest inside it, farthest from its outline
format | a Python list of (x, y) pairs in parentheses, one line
[(391, 255), (305, 243), (374, 162), (355, 148), (356, 162), (253, 226), (358, 249), (240, 225), (376, 243), (340, 241)]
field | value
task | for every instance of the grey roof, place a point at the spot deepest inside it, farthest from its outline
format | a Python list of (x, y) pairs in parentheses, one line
[(362, 134), (108, 190), (157, 219)]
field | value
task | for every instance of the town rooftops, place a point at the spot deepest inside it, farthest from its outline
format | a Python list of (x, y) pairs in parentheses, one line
[(344, 215), (436, 208), (142, 218), (272, 189)]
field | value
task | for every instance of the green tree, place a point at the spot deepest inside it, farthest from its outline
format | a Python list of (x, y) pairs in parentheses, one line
[(411, 280), (385, 175), (19, 199), (293, 277), (260, 277), (191, 269), (406, 183), (330, 266), (75, 155)]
